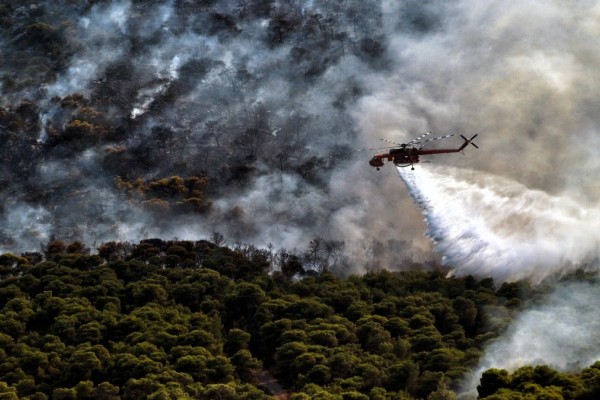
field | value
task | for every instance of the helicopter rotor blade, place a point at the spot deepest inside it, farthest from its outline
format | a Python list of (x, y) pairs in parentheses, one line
[(376, 148), (421, 144), (417, 139), (391, 142)]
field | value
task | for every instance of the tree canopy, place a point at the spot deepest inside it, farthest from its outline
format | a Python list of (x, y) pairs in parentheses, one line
[(183, 319)]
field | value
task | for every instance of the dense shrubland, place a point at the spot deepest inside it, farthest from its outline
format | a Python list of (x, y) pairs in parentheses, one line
[(180, 319)]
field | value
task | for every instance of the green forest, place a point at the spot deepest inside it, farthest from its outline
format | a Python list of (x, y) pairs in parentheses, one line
[(199, 320)]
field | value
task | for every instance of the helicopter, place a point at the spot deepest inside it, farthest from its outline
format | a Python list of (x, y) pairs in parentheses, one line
[(408, 153)]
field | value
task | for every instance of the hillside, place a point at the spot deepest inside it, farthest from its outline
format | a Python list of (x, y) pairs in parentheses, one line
[(181, 319), (254, 121)]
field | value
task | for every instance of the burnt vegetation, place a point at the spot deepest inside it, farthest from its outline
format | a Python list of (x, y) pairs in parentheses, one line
[(124, 97), (102, 94)]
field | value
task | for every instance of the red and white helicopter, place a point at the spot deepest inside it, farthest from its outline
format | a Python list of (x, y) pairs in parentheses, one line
[(408, 153)]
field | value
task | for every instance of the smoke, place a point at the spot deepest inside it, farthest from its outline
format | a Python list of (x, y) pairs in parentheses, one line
[(283, 209), (562, 332), (258, 97), (524, 76), (268, 99), (99, 40), (146, 96), (525, 205)]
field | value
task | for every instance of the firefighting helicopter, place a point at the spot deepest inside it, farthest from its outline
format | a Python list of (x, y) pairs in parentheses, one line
[(408, 153)]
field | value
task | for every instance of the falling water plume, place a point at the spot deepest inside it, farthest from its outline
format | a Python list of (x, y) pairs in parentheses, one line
[(486, 225)]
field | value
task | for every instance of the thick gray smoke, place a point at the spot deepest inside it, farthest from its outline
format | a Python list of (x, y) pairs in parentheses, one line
[(262, 98), (268, 99), (257, 97), (525, 76)]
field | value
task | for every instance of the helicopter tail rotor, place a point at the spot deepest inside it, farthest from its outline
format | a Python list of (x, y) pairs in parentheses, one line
[(468, 141)]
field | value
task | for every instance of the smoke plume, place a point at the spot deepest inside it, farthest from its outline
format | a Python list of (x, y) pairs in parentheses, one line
[(561, 332), (268, 100), (262, 99), (525, 77)]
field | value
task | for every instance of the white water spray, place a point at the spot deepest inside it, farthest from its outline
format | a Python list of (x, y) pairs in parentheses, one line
[(486, 225)]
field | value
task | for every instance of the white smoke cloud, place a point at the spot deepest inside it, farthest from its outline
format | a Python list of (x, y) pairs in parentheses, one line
[(563, 333), (31, 225), (100, 36), (525, 75), (277, 204), (525, 206), (146, 96)]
